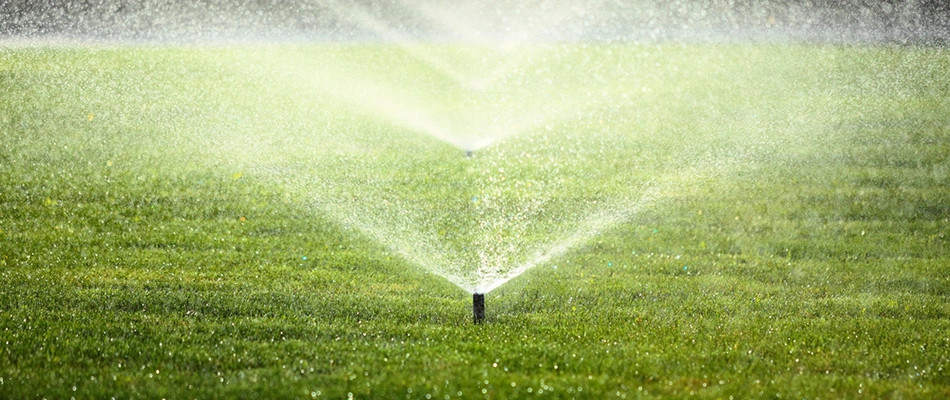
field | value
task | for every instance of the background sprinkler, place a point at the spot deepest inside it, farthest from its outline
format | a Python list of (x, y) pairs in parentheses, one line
[(478, 307), (469, 153)]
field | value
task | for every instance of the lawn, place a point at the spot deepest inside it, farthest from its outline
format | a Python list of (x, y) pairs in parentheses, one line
[(277, 221)]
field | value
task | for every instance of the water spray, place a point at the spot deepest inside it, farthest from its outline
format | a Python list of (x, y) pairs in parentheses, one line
[(478, 307)]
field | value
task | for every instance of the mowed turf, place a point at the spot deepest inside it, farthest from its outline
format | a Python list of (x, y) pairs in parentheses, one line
[(159, 239)]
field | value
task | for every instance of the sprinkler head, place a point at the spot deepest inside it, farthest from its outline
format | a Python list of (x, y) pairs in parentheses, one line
[(478, 307), (469, 153)]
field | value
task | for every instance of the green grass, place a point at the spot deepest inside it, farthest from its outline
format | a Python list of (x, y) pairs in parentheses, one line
[(800, 247)]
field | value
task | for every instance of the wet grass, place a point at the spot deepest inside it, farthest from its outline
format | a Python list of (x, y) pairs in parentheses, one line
[(137, 260)]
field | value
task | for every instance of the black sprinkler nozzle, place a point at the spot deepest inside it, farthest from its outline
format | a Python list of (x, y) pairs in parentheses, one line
[(469, 153), (478, 307)]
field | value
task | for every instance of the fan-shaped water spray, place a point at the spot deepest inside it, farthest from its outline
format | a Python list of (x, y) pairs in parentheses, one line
[(512, 199)]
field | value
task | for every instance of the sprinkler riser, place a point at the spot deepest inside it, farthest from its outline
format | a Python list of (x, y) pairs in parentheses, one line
[(478, 307)]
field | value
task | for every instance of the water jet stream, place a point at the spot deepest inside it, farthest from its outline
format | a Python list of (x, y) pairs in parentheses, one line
[(482, 221), (467, 128)]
